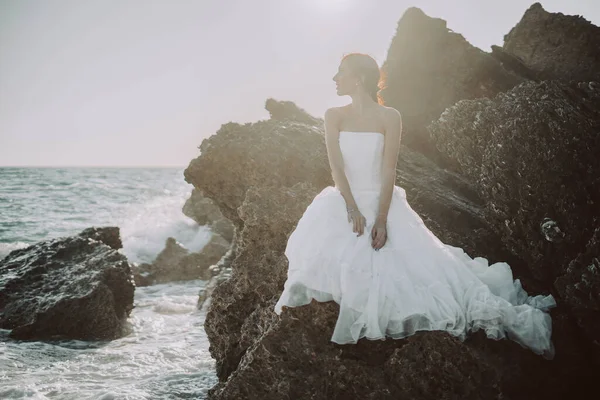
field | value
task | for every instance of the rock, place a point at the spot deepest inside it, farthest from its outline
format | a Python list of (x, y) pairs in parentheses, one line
[(307, 366), (557, 46), (205, 212), (77, 287), (429, 68), (263, 176), (109, 235), (142, 274), (289, 111), (288, 145), (257, 272), (514, 64), (170, 256), (224, 228), (219, 273), (195, 265), (201, 209), (532, 154), (511, 174), (176, 263), (580, 287)]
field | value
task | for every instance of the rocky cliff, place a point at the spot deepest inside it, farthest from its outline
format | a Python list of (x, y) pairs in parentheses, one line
[(509, 171), (429, 68)]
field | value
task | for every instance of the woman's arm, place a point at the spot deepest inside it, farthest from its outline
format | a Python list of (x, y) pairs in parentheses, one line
[(336, 161), (393, 133)]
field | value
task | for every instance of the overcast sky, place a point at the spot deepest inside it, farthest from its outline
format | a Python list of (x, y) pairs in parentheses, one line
[(142, 82)]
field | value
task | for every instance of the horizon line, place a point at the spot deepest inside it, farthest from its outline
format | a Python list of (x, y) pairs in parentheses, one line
[(93, 166)]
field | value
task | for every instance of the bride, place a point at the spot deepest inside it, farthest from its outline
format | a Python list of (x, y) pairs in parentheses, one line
[(360, 244)]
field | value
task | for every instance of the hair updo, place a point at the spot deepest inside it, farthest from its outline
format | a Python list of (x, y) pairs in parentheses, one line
[(366, 68)]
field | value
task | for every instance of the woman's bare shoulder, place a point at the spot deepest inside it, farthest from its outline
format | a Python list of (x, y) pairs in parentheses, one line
[(335, 111), (335, 115), (389, 111), (390, 115)]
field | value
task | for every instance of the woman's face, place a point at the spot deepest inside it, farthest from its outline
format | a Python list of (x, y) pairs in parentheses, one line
[(345, 80)]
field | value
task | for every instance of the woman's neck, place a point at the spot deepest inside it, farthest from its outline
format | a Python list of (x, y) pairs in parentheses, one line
[(361, 103)]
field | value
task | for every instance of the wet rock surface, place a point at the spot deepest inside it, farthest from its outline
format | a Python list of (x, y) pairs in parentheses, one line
[(77, 287), (176, 263)]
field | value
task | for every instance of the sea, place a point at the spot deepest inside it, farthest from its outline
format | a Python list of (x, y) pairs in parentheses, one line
[(166, 354)]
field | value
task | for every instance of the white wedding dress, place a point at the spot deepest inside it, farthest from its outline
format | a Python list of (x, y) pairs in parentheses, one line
[(414, 282)]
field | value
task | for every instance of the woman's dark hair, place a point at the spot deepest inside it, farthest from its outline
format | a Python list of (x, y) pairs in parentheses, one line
[(366, 68)]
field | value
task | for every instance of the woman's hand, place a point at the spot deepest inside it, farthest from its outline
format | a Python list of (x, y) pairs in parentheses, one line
[(358, 221), (379, 233)]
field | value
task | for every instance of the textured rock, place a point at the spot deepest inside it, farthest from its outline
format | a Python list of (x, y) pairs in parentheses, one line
[(511, 174), (220, 272), (287, 110), (257, 273), (284, 144), (557, 46), (532, 154), (514, 64), (205, 212), (170, 256), (308, 366), (580, 287), (76, 287), (263, 176), (109, 235), (429, 68), (176, 263)]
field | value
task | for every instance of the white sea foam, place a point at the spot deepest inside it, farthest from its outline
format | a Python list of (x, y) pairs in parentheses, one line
[(166, 350)]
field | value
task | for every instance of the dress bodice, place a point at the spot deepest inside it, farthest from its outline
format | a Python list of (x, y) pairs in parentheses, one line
[(363, 155)]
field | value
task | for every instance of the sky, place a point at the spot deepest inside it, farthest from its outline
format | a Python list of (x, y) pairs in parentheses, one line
[(143, 82)]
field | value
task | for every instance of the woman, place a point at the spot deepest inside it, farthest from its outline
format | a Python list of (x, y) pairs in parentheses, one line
[(360, 243)]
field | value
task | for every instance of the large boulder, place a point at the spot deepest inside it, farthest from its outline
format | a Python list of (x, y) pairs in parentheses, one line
[(263, 176), (532, 155), (77, 287), (557, 46)]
